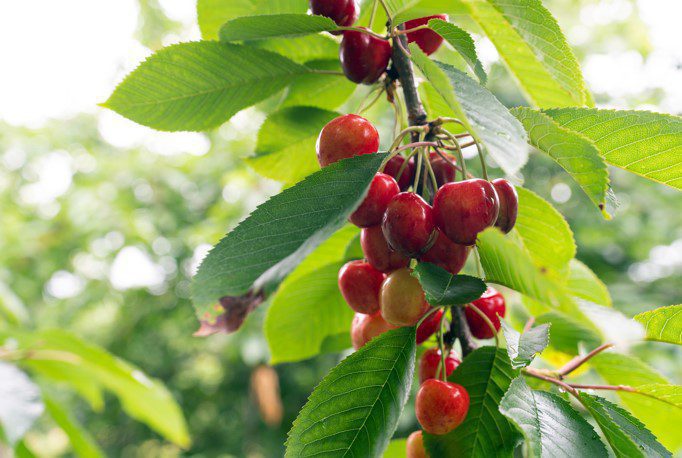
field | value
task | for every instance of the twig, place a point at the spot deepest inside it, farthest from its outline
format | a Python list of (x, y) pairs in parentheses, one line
[(580, 360), (460, 329)]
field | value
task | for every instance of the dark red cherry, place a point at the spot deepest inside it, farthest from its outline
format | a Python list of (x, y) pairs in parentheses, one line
[(364, 58), (343, 12), (366, 327), (360, 284), (371, 211), (428, 40), (346, 136), (444, 170), (509, 204), (408, 224), (492, 305), (429, 326), (378, 253), (465, 208), (393, 168), (447, 254), (441, 406), (431, 360)]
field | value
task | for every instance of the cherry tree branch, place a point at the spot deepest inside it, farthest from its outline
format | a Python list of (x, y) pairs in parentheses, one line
[(415, 109), (580, 360)]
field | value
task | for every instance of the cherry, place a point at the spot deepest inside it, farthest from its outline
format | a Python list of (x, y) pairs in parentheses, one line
[(492, 305), (371, 211), (346, 136), (360, 284), (429, 326), (343, 12), (445, 171), (429, 362), (441, 406), (509, 204), (364, 58), (378, 253), (447, 254), (367, 327), (428, 40), (393, 168), (402, 299), (415, 446), (408, 224), (465, 208)]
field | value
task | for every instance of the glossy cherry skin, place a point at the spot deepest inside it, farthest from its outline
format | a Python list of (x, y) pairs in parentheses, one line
[(509, 204), (445, 171), (346, 136), (409, 225), (402, 299), (364, 58), (465, 208), (428, 40), (441, 406), (493, 306), (414, 447), (371, 211), (360, 284), (378, 253), (428, 364), (429, 326), (343, 12), (447, 254), (393, 168), (367, 327)]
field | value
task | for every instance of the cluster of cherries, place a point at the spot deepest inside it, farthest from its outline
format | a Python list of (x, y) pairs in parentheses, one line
[(365, 56), (399, 225)]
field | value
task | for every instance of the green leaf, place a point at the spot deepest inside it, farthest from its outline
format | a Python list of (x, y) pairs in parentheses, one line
[(286, 143), (214, 13), (522, 347), (571, 150), (463, 44), (405, 10), (627, 436), (355, 409), (20, 403), (321, 91), (550, 425), (274, 25), (641, 142), (663, 324), (486, 374), (443, 288), (268, 244), (302, 49), (545, 234), (141, 397), (671, 394), (583, 283), (534, 49), (82, 443), (568, 334), (397, 448), (484, 116), (12, 309), (198, 86)]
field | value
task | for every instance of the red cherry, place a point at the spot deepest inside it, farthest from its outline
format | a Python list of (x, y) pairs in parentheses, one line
[(428, 40), (367, 327), (492, 305), (343, 12), (402, 299), (364, 58), (378, 253), (415, 446), (447, 254), (371, 211), (465, 208), (509, 204), (408, 224), (445, 171), (393, 168), (429, 326), (346, 136), (360, 284), (429, 362), (441, 406)]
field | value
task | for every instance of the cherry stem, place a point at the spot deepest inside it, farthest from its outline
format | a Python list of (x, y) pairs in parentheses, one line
[(529, 324), (479, 266), (580, 360), (442, 368), (480, 156), (326, 72), (405, 32), (434, 181), (459, 152), (417, 173), (366, 106), (373, 14), (362, 30), (487, 321), (387, 10), (399, 138), (426, 315)]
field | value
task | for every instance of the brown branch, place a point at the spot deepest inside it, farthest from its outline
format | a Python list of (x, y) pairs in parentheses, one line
[(401, 61), (580, 360), (460, 329)]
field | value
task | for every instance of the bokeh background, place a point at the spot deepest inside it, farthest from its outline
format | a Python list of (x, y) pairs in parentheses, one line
[(104, 221)]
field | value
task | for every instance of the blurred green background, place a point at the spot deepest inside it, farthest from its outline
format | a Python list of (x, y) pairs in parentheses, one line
[(104, 222)]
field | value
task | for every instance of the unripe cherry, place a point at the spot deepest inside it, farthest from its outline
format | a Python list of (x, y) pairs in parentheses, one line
[(346, 136), (378, 253), (429, 326), (509, 205), (402, 299), (441, 406), (393, 167), (366, 327), (430, 361), (492, 305), (371, 211), (428, 40), (364, 58), (360, 284), (408, 224), (414, 447), (447, 254), (343, 12)]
